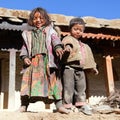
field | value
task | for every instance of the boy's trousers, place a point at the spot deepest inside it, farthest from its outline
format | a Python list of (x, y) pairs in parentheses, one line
[(74, 86)]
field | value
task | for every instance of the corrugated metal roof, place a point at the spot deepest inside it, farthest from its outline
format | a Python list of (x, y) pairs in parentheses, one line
[(7, 26)]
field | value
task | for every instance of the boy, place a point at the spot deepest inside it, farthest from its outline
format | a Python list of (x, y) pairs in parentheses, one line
[(77, 57)]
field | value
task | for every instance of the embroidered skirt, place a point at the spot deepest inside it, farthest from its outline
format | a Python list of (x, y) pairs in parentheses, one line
[(40, 81)]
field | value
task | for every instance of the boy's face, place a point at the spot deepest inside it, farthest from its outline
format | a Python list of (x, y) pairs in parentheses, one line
[(76, 30), (38, 20)]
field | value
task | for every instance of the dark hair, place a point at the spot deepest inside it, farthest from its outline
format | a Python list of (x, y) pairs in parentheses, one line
[(77, 20), (43, 12)]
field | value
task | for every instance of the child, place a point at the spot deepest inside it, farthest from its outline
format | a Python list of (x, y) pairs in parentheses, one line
[(77, 57), (40, 53)]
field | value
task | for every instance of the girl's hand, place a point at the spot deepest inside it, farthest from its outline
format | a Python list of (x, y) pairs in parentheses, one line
[(27, 61), (59, 52)]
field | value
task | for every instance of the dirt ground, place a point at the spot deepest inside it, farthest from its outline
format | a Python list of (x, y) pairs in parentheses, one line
[(57, 116)]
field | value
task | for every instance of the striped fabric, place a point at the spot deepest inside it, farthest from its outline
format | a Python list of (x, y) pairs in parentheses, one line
[(38, 42)]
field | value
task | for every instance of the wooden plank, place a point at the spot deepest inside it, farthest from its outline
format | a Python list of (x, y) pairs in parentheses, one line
[(47, 106), (5, 105), (109, 75), (87, 85), (12, 69)]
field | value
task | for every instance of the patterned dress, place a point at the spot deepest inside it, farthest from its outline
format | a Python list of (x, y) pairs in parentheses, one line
[(39, 79)]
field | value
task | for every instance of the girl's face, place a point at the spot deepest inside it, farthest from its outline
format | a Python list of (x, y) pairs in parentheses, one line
[(38, 20), (76, 30)]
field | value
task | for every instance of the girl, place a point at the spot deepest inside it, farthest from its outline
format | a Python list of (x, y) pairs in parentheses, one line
[(41, 52)]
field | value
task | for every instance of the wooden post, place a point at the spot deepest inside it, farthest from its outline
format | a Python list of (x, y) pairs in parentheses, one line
[(0, 86), (109, 75), (12, 69), (2, 100), (87, 85), (47, 106)]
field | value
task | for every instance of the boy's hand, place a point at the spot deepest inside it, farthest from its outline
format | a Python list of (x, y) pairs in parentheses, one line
[(68, 48), (95, 71)]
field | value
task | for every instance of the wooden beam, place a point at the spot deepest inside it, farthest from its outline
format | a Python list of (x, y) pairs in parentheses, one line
[(109, 75), (12, 69)]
